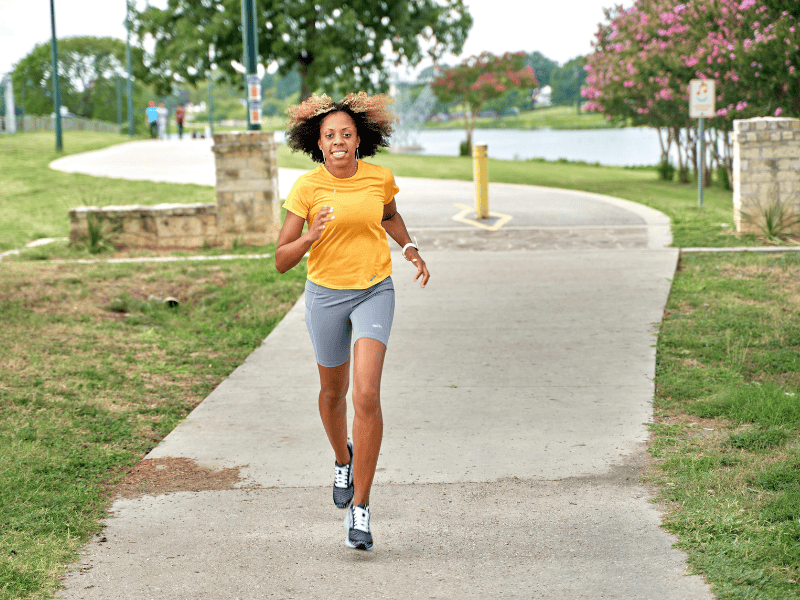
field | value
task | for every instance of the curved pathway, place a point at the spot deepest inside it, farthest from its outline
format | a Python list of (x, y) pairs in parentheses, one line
[(516, 394)]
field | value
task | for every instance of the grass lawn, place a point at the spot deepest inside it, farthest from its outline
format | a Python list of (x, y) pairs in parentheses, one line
[(93, 373), (691, 227), (551, 117), (35, 199), (726, 440)]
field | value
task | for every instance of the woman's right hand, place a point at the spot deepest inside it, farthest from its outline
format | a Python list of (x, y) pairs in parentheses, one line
[(317, 226)]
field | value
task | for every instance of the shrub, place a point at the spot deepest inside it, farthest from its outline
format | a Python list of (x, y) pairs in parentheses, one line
[(666, 170)]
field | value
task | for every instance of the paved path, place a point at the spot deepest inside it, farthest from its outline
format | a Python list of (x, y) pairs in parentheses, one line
[(516, 392)]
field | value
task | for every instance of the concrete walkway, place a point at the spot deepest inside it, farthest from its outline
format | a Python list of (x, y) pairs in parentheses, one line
[(516, 394)]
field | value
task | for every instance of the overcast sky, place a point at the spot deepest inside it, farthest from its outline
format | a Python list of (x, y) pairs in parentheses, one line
[(560, 29)]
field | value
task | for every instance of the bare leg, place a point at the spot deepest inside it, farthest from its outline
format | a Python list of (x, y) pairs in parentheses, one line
[(368, 421), (334, 383)]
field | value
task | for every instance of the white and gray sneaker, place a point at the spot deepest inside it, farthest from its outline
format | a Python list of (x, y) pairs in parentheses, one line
[(343, 481), (356, 524)]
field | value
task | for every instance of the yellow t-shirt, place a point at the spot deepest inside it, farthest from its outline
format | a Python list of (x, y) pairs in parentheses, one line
[(353, 252)]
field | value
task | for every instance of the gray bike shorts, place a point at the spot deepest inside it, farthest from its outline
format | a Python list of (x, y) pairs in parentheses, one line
[(335, 317)]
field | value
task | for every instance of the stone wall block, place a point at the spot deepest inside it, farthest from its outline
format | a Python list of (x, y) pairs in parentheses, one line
[(247, 208), (754, 152), (766, 169)]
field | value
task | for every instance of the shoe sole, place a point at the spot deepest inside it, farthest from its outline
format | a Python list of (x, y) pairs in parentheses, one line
[(359, 546), (364, 547)]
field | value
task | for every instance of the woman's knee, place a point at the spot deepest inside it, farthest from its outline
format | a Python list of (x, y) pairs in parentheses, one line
[(332, 397), (367, 403)]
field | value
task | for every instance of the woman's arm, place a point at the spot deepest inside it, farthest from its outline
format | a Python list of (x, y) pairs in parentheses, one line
[(395, 226), (292, 246)]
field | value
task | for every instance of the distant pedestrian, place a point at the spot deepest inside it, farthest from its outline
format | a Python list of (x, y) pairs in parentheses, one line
[(162, 121), (349, 292), (152, 118), (180, 113)]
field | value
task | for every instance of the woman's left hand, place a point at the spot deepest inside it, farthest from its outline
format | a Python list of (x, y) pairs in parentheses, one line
[(422, 270)]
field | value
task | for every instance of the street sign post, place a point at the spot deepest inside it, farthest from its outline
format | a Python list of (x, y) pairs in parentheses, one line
[(254, 98), (250, 43), (702, 101)]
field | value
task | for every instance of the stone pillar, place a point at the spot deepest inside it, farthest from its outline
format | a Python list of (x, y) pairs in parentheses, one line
[(248, 200), (766, 171)]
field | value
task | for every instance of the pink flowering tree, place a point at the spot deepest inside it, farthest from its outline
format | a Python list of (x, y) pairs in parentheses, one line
[(646, 55), (481, 78)]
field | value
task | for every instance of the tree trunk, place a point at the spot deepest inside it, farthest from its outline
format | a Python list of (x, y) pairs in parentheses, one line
[(665, 145), (305, 59), (683, 169), (471, 124)]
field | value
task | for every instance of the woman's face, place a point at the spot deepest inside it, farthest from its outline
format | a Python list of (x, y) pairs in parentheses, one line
[(338, 139)]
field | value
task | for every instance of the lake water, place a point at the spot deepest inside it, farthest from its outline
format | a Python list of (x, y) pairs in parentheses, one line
[(625, 146)]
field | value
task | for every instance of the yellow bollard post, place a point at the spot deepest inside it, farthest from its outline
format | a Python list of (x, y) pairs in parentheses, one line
[(481, 177)]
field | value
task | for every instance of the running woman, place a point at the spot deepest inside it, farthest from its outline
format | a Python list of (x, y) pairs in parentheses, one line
[(349, 206)]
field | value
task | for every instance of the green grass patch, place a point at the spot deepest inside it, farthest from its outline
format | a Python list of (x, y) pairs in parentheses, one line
[(691, 226), (551, 117), (711, 226), (94, 372), (36, 199), (726, 444)]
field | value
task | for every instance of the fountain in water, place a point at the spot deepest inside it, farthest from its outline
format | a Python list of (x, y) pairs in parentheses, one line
[(411, 115)]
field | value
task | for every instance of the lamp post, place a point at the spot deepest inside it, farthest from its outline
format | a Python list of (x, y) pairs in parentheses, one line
[(131, 121), (56, 83), (212, 54), (210, 105), (250, 44), (22, 121), (118, 82)]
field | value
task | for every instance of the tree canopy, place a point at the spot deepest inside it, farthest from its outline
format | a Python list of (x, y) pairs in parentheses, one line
[(542, 66), (646, 55), (567, 80), (481, 78), (336, 44), (88, 67)]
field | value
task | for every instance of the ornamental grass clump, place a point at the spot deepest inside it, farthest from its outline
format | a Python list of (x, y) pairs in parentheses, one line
[(775, 218)]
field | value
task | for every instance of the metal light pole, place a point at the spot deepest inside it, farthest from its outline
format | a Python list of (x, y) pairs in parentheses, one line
[(250, 44), (56, 83), (131, 118), (22, 122), (210, 104), (11, 108), (701, 164), (119, 101), (212, 54)]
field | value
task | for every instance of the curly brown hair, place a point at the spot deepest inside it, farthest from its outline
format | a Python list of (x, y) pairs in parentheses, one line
[(370, 114)]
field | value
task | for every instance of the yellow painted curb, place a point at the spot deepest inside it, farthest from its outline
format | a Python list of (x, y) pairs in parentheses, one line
[(462, 218)]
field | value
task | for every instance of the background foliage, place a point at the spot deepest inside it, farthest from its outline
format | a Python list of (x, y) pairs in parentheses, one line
[(339, 45)]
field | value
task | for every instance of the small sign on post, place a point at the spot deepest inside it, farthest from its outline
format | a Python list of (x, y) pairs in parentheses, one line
[(702, 98), (702, 104), (254, 98)]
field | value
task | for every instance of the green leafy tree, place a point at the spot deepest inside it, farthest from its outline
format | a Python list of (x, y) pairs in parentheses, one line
[(542, 66), (481, 78), (567, 80), (337, 44), (88, 68)]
